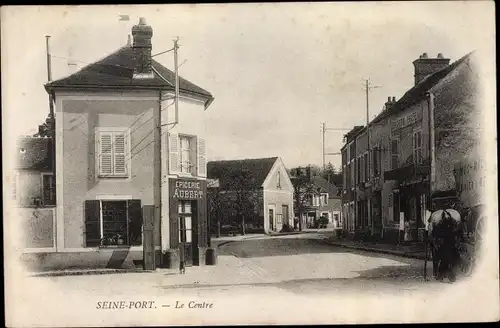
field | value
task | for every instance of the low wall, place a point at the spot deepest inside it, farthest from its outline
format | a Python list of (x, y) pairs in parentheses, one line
[(39, 227), (122, 258)]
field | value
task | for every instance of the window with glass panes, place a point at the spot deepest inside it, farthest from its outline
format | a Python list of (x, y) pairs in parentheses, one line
[(186, 154), (394, 153), (417, 147), (185, 210)]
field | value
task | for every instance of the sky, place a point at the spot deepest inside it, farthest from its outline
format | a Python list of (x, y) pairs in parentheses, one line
[(277, 71)]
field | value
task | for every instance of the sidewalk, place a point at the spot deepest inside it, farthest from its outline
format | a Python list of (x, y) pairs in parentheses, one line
[(415, 250)]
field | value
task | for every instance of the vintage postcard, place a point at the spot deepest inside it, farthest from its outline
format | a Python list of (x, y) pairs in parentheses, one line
[(249, 163)]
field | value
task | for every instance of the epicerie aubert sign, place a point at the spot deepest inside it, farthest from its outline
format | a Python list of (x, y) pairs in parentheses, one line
[(187, 189)]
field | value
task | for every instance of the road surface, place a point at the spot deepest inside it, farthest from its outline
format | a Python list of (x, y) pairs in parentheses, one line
[(293, 279)]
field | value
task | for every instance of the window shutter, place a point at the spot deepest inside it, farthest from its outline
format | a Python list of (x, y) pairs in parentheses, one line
[(92, 226), (119, 154), (173, 155), (134, 212), (202, 162), (105, 154)]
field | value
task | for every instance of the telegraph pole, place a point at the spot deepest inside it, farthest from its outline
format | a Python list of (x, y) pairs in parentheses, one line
[(176, 100), (51, 111), (368, 87), (323, 130)]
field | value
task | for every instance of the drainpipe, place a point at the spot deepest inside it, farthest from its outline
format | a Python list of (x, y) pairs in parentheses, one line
[(432, 144)]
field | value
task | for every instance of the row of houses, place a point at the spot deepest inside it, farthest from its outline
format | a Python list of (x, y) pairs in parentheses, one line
[(105, 212), (263, 196), (408, 153)]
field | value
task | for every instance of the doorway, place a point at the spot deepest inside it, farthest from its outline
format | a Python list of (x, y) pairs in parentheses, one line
[(272, 211), (186, 214), (286, 218)]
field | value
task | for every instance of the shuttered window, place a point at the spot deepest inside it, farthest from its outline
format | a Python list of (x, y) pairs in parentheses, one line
[(187, 155), (202, 159), (113, 153)]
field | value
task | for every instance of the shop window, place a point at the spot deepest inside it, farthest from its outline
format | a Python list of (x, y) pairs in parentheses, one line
[(185, 211), (113, 153), (113, 223)]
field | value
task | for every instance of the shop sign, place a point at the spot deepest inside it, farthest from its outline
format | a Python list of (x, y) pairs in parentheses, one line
[(406, 120), (188, 190)]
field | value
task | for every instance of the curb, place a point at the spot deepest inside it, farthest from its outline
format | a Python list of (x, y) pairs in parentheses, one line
[(378, 250), (269, 236), (86, 272)]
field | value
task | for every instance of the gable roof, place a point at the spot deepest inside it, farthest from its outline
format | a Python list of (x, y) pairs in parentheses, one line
[(116, 71), (418, 91), (257, 168), (34, 153), (325, 186)]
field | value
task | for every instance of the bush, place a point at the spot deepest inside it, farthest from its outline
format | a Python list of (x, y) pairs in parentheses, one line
[(322, 222), (287, 228)]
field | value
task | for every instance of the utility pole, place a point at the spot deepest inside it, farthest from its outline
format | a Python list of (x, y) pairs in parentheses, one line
[(176, 100), (368, 87), (323, 130), (52, 120)]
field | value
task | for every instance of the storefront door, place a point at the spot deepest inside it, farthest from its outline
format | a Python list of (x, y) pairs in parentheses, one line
[(186, 231)]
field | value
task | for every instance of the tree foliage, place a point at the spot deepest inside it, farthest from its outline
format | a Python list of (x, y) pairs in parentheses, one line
[(237, 203)]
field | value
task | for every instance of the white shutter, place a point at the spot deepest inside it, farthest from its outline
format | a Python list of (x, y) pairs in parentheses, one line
[(119, 158), (173, 153), (202, 162), (105, 153)]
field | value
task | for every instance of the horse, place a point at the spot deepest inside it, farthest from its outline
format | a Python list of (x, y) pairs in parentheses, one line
[(444, 226)]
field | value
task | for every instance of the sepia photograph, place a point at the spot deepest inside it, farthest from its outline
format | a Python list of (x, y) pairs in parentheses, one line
[(250, 163)]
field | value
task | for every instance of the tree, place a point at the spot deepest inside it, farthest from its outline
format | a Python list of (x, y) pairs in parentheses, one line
[(331, 174), (46, 129), (303, 190), (235, 202)]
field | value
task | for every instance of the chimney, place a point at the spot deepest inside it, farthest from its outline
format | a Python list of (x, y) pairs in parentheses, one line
[(390, 102), (425, 66), (141, 44)]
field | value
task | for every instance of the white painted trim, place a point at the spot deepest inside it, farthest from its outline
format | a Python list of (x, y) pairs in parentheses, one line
[(279, 191), (102, 249), (125, 95), (40, 250), (108, 95), (59, 174), (113, 197)]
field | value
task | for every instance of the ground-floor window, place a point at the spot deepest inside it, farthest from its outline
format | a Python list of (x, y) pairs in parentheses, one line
[(113, 223)]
